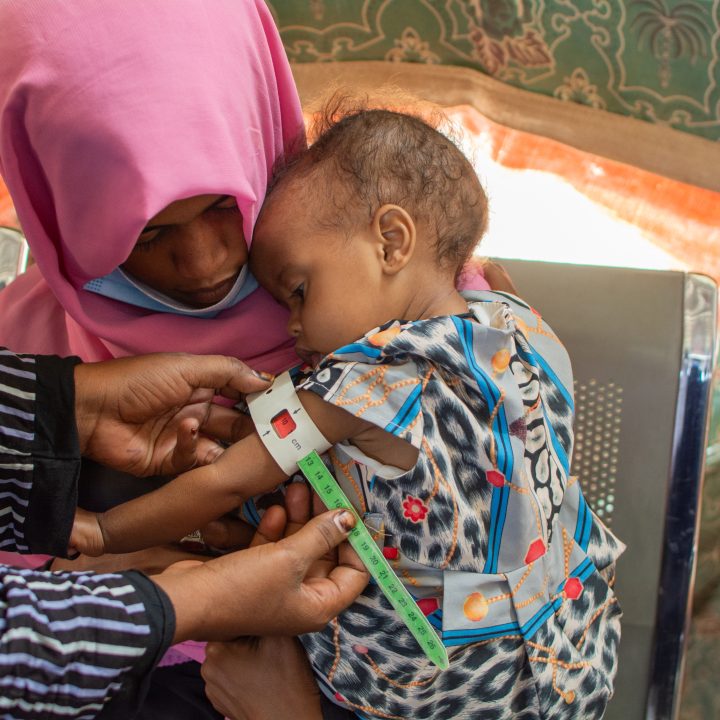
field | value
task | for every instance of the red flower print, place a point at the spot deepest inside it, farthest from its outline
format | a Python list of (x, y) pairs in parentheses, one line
[(415, 509)]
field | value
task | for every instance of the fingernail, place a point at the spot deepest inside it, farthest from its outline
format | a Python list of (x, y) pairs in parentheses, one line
[(268, 377), (344, 520)]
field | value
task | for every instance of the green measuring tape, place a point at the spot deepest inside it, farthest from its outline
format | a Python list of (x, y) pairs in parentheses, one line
[(332, 495)]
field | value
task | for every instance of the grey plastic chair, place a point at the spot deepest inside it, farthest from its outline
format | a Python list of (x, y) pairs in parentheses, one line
[(13, 254), (642, 345)]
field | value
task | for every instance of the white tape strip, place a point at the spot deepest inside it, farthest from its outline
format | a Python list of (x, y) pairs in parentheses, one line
[(287, 431)]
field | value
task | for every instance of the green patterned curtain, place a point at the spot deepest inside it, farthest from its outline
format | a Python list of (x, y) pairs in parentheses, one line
[(656, 60)]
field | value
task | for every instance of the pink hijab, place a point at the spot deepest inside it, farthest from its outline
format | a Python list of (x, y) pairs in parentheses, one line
[(109, 111)]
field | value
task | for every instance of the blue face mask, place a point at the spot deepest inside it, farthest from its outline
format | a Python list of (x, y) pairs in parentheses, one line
[(121, 286)]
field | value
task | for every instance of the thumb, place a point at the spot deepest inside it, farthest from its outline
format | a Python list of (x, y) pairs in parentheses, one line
[(229, 376), (320, 535), (185, 453)]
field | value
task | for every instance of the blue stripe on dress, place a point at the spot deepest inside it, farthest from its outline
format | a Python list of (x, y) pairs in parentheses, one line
[(498, 509), (584, 522), (539, 618), (407, 412), (581, 572), (505, 460), (451, 638), (529, 358), (584, 570), (435, 619), (363, 349)]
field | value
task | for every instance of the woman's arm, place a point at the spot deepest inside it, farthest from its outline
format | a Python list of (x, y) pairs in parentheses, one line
[(126, 413), (70, 643), (39, 453)]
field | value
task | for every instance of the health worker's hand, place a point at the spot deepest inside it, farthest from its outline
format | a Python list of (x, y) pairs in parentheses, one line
[(288, 587), (277, 680), (154, 414), (261, 679)]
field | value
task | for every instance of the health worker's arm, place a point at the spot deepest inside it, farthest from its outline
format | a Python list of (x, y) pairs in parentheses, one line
[(71, 643), (142, 415), (39, 452)]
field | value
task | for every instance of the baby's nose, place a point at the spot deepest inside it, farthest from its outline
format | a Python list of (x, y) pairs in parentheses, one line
[(293, 326)]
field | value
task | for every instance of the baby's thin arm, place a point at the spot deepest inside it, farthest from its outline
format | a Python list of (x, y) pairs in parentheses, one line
[(191, 500), (199, 496)]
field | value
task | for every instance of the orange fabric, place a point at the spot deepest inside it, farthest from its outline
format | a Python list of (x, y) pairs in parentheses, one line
[(7, 211), (683, 220)]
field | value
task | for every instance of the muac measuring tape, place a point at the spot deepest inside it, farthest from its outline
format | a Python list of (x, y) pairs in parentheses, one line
[(292, 438)]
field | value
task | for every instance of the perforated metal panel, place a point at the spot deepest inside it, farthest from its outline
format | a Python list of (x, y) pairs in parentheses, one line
[(598, 422)]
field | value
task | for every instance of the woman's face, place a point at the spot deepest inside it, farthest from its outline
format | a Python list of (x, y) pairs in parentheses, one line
[(192, 251)]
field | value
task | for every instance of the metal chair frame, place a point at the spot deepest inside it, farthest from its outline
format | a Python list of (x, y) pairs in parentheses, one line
[(690, 304)]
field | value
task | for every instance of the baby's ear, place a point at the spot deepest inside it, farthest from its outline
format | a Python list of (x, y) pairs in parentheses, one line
[(396, 235)]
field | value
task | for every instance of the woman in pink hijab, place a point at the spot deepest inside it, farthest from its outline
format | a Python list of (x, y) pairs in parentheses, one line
[(110, 112), (137, 138), (114, 114)]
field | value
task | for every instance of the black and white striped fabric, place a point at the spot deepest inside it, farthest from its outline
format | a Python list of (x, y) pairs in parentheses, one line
[(17, 431), (69, 642)]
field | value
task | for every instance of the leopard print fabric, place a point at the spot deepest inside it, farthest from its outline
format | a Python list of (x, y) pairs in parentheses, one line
[(488, 531)]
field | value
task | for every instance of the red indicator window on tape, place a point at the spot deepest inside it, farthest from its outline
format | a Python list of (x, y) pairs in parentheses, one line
[(283, 424)]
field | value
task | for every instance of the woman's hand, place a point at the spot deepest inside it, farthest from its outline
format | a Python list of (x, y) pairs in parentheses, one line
[(497, 277), (146, 415), (288, 587), (277, 681), (261, 679)]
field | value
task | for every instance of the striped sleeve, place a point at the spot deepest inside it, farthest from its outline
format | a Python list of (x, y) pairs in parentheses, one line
[(70, 643), (39, 452)]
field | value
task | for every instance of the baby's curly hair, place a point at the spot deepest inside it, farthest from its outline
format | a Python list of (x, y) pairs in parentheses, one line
[(364, 158)]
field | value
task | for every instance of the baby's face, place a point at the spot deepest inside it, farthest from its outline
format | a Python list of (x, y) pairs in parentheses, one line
[(328, 279)]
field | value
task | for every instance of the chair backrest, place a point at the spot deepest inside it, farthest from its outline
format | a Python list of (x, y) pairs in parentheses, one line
[(642, 347)]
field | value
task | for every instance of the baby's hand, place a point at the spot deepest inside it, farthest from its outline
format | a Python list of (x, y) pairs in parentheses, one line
[(86, 536)]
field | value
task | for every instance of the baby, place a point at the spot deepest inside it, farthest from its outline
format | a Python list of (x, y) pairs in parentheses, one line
[(451, 424)]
